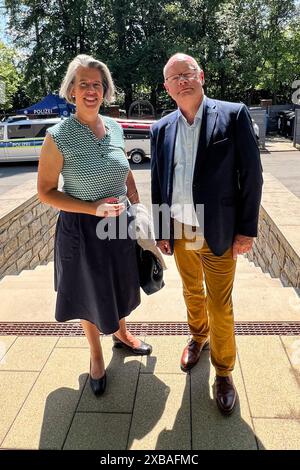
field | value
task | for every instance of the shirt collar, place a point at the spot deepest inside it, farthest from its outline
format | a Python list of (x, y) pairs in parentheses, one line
[(198, 115)]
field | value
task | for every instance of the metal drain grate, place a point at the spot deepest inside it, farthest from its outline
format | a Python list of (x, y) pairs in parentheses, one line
[(146, 329)]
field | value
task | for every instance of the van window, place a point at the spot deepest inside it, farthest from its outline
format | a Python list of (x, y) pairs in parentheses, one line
[(42, 130), (27, 131), (16, 131), (136, 134), (1, 132)]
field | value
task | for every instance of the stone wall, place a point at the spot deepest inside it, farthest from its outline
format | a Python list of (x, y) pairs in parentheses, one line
[(26, 235), (273, 253), (27, 230), (277, 247)]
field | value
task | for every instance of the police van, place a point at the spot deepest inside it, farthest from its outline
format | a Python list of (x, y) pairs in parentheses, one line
[(21, 140)]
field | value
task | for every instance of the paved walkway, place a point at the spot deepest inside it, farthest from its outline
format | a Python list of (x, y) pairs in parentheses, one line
[(46, 402), (282, 160), (149, 404)]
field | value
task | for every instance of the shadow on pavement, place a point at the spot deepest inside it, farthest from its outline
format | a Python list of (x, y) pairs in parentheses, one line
[(75, 419)]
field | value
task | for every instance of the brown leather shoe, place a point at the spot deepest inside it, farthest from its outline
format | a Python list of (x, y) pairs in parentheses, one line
[(225, 393), (191, 354)]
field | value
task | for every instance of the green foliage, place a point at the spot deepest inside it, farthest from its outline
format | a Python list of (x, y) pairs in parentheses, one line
[(248, 48), (9, 75)]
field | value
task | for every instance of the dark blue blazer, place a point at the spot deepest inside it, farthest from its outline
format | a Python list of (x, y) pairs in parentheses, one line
[(227, 176)]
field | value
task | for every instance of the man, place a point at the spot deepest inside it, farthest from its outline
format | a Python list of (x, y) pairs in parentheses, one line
[(206, 164)]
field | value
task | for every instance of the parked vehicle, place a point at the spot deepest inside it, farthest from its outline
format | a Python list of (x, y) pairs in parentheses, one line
[(134, 123), (286, 123), (19, 117), (22, 140), (256, 129), (137, 144)]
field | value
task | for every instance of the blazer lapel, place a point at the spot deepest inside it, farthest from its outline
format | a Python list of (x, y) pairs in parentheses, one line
[(211, 116), (170, 139), (207, 127)]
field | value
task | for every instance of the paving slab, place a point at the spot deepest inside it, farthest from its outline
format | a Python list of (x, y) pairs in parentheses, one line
[(45, 418), (73, 342), (14, 389), (122, 372), (98, 431), (210, 429), (278, 434), (5, 344), (291, 345), (29, 353), (161, 415), (271, 385), (165, 357)]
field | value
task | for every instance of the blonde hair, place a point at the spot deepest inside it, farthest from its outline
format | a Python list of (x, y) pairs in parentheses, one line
[(84, 60)]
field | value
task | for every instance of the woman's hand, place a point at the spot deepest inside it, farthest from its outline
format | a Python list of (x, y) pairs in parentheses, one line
[(108, 207), (164, 246)]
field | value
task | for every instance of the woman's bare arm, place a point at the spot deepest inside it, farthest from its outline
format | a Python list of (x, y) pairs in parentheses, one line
[(132, 192), (50, 166)]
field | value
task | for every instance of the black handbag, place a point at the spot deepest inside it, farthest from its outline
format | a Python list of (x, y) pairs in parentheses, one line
[(150, 271)]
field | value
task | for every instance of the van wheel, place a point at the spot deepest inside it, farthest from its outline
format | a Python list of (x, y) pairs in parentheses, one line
[(137, 157)]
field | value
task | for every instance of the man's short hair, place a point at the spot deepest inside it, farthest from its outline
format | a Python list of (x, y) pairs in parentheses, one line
[(181, 56)]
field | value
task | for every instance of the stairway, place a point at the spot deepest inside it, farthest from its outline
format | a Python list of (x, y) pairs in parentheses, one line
[(30, 297)]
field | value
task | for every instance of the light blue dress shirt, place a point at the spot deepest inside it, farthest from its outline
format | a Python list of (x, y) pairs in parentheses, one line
[(186, 146)]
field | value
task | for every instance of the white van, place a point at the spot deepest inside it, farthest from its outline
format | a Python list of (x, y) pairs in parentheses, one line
[(22, 140), (137, 144)]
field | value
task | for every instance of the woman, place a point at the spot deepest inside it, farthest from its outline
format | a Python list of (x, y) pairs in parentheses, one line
[(96, 279)]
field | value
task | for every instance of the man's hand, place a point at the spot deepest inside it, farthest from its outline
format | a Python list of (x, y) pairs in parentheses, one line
[(242, 244), (164, 246)]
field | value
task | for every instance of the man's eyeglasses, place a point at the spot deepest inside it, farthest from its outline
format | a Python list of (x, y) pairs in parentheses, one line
[(182, 76)]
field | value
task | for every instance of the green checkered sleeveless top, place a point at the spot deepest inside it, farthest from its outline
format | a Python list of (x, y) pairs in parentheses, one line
[(93, 168)]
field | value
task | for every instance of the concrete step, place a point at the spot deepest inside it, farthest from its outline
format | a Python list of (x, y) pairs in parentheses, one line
[(263, 304), (44, 267), (27, 304), (258, 304), (243, 281), (43, 276), (30, 297), (32, 284), (30, 274), (250, 281)]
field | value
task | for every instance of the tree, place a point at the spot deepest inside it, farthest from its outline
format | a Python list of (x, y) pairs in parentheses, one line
[(10, 77), (248, 48), (278, 45)]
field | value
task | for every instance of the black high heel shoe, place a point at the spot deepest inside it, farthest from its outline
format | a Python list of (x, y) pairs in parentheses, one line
[(98, 385), (143, 350)]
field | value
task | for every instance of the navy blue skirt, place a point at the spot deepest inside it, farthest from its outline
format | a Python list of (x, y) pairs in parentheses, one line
[(95, 279)]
